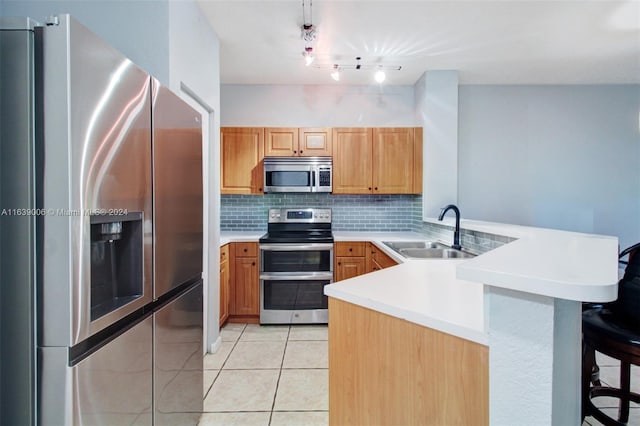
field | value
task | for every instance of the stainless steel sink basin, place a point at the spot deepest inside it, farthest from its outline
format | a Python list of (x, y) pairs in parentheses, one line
[(401, 245), (426, 250), (434, 253)]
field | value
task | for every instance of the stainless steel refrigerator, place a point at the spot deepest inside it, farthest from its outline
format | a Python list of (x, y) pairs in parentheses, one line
[(101, 230)]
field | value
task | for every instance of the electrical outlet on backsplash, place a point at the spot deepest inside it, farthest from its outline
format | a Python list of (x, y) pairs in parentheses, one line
[(349, 212)]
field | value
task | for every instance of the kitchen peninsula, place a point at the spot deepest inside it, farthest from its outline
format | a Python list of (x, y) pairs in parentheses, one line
[(490, 340)]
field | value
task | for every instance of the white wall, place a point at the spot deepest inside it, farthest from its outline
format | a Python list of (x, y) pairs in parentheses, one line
[(565, 157), (436, 108), (322, 106), (195, 75), (136, 28)]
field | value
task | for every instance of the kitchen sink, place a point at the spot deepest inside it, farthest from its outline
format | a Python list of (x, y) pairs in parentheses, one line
[(434, 253), (426, 250), (402, 245)]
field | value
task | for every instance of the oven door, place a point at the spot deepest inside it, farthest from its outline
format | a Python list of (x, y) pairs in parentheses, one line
[(287, 298), (296, 258)]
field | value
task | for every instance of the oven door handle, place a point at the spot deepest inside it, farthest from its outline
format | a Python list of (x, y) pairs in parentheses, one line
[(296, 247), (294, 277)]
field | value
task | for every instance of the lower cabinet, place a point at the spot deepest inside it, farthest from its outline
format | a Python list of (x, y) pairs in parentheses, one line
[(357, 257), (244, 295), (377, 259), (225, 275)]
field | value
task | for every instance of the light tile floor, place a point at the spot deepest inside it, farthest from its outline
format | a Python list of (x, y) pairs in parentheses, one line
[(610, 376), (268, 376)]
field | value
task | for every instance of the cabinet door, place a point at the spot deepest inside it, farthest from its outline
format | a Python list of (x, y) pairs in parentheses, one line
[(224, 284), (241, 154), (393, 161), (280, 142), (378, 259), (247, 292), (349, 267), (352, 161), (315, 142), (417, 160), (349, 248)]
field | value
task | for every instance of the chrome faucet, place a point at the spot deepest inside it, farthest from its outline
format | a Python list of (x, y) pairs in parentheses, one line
[(456, 233)]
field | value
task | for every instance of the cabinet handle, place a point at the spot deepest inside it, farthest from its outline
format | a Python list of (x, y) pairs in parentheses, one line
[(376, 188), (295, 152), (369, 188), (301, 151), (350, 249), (339, 263), (253, 263), (245, 250)]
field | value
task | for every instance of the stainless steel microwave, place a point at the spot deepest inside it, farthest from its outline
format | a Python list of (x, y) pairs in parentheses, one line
[(298, 174)]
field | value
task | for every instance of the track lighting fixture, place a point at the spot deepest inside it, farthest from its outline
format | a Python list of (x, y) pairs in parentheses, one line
[(309, 34), (336, 73), (308, 55), (379, 76)]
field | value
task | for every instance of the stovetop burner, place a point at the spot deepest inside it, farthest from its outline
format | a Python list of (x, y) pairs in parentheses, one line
[(298, 237), (298, 226)]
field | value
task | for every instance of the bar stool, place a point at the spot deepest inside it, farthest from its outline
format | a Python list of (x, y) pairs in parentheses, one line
[(614, 330), (607, 333)]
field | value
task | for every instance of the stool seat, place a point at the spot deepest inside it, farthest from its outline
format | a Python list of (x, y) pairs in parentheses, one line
[(607, 333), (604, 322)]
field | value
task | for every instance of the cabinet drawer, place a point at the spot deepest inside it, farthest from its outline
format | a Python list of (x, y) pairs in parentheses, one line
[(224, 253), (350, 249), (246, 249)]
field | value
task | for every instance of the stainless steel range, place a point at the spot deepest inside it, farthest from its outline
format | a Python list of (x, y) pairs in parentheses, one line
[(296, 262)]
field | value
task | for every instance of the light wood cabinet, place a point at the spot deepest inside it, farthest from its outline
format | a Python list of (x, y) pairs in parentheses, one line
[(244, 303), (280, 142), (352, 161), (393, 161), (376, 161), (224, 284), (241, 155), (350, 260), (297, 142), (377, 259), (353, 258), (315, 142), (427, 377)]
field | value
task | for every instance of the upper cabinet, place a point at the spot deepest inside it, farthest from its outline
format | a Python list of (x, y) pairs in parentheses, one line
[(352, 160), (315, 142), (241, 155), (297, 142), (393, 161), (365, 160), (377, 161)]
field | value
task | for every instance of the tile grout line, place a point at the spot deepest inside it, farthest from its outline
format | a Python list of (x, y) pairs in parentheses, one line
[(224, 362), (275, 394)]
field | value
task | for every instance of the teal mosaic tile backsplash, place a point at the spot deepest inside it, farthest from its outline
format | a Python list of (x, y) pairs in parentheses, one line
[(350, 212)]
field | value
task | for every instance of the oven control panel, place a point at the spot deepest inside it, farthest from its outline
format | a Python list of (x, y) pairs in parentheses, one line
[(299, 215)]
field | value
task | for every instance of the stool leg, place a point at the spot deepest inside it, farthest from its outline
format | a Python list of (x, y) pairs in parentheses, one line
[(588, 362), (625, 387)]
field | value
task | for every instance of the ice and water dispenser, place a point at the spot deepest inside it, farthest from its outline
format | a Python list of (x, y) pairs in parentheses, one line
[(116, 262)]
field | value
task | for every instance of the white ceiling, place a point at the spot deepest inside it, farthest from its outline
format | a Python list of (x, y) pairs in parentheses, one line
[(488, 42)]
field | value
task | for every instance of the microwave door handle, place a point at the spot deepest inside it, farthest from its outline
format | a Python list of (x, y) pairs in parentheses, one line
[(314, 172)]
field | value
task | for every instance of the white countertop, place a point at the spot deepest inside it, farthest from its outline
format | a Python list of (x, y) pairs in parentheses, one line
[(227, 237), (425, 292), (448, 295), (548, 262)]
